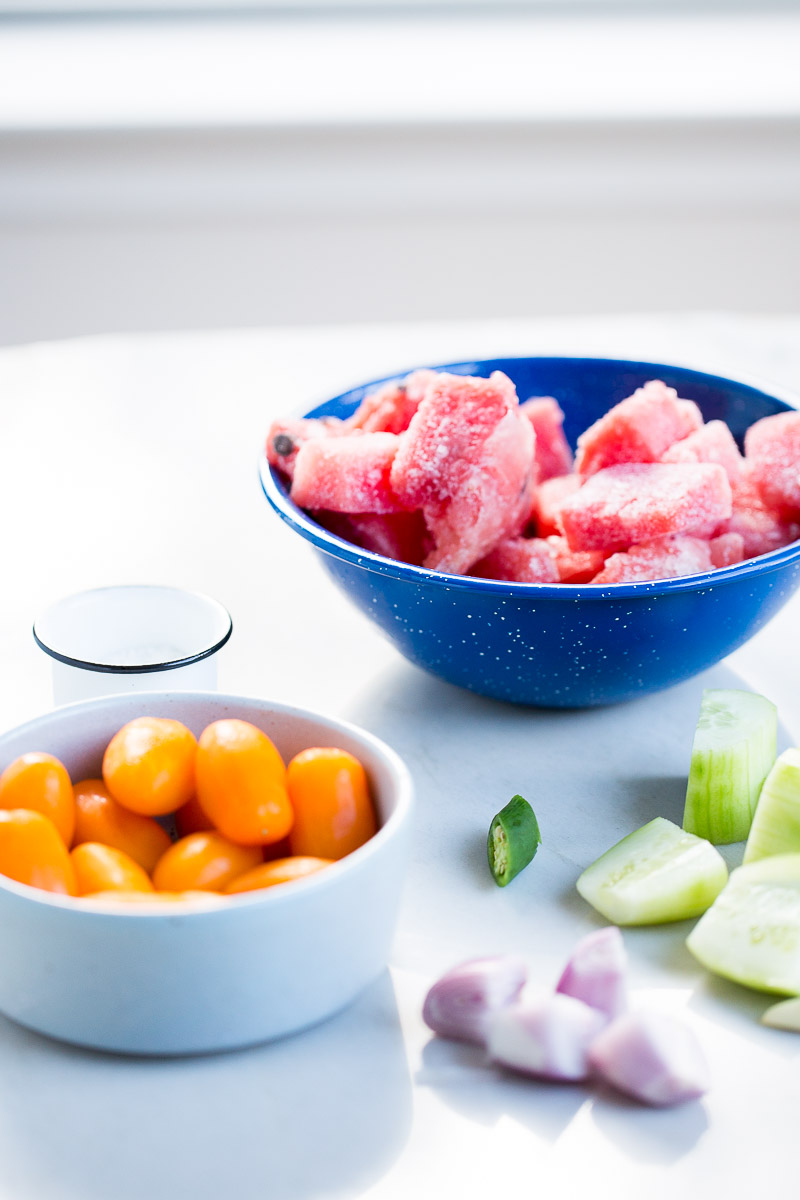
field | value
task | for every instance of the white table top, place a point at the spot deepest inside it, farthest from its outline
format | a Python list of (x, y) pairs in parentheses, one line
[(134, 459)]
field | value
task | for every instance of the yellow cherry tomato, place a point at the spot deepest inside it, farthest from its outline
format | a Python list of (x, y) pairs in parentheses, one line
[(99, 818), (32, 851), (41, 783), (204, 862), (241, 783), (149, 764), (101, 868), (333, 812), (281, 870)]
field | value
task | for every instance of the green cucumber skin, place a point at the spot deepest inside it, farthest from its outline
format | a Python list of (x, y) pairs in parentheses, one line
[(725, 781), (520, 839)]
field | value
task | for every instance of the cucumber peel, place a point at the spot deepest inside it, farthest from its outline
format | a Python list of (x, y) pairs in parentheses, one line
[(776, 823), (733, 750), (656, 874), (751, 933)]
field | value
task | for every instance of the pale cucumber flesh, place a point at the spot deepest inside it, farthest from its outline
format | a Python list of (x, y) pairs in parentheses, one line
[(751, 933), (658, 873), (733, 750), (784, 1015), (776, 823)]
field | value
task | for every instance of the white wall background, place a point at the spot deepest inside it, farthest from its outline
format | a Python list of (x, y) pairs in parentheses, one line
[(197, 174)]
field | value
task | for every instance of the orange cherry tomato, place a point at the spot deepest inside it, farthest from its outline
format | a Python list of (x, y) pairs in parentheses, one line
[(204, 862), (99, 818), (241, 783), (153, 899), (333, 812), (192, 819), (148, 765), (39, 782), (101, 868), (32, 851), (281, 870)]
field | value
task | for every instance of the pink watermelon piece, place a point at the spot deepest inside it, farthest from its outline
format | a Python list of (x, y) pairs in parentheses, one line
[(639, 429), (351, 474), (551, 449), (664, 558), (761, 528), (519, 560), (467, 462), (286, 437), (772, 447), (548, 500), (712, 443), (574, 566), (727, 549), (640, 502), (401, 536)]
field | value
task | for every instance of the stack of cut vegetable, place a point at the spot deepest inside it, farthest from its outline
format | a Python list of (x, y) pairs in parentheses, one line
[(737, 789)]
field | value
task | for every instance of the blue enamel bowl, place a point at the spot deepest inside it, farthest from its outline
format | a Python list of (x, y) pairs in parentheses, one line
[(564, 645)]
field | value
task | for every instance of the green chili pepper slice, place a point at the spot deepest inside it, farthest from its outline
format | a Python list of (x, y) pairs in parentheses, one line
[(514, 838)]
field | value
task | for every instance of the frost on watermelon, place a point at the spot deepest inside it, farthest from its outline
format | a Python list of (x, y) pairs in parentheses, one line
[(347, 474), (552, 453), (391, 407), (548, 500), (666, 558), (519, 560), (286, 437), (641, 502), (467, 462), (574, 566), (727, 549), (761, 528), (401, 536), (712, 443), (772, 447), (639, 429)]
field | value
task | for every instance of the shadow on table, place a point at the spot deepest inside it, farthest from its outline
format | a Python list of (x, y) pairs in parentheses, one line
[(325, 1112)]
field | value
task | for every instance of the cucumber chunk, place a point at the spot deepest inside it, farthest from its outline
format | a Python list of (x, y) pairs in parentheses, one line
[(734, 747), (751, 934), (658, 873), (783, 1015), (776, 824)]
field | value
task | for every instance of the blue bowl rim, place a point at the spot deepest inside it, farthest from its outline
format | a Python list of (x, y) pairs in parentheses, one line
[(336, 547)]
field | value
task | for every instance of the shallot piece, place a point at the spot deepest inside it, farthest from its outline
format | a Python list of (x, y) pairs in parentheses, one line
[(596, 972), (461, 1002), (651, 1056), (547, 1036)]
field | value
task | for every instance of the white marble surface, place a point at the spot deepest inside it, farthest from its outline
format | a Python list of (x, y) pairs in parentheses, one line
[(132, 459)]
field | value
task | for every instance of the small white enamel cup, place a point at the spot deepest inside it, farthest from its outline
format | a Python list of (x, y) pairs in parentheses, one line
[(251, 968), (136, 637)]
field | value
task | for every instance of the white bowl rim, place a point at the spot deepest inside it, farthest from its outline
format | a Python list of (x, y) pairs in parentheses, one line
[(274, 896)]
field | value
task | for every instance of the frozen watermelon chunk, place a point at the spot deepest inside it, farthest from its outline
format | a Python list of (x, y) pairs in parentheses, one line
[(351, 473), (713, 443), (640, 502), (467, 462), (666, 558), (547, 502), (401, 536), (552, 453), (574, 566), (519, 560), (772, 446), (761, 528), (727, 549), (286, 437), (639, 429)]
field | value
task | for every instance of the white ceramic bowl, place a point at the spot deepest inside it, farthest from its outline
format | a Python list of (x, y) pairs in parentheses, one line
[(252, 968)]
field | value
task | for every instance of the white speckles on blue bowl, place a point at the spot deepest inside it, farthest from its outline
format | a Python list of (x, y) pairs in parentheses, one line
[(566, 646)]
